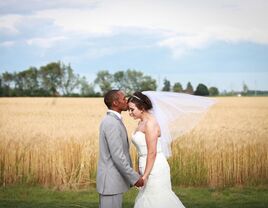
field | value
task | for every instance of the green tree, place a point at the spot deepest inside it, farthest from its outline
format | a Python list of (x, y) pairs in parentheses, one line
[(213, 91), (32, 81), (69, 80), (8, 78), (26, 82), (1, 87), (8, 81), (201, 90), (167, 85), (131, 80), (128, 81), (177, 87), (51, 77), (104, 79), (19, 79), (148, 83), (120, 80), (86, 89), (189, 89), (245, 89)]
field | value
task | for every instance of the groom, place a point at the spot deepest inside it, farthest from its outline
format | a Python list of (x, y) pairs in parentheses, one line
[(115, 174)]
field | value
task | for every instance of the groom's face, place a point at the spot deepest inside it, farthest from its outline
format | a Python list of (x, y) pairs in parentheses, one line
[(122, 101)]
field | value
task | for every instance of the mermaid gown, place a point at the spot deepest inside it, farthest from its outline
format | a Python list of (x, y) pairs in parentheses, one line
[(157, 192)]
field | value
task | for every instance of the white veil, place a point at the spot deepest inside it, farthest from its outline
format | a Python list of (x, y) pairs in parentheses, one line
[(176, 113)]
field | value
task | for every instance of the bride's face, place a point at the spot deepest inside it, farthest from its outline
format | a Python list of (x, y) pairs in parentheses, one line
[(134, 112)]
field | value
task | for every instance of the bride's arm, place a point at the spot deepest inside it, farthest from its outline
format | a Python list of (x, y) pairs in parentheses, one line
[(151, 136)]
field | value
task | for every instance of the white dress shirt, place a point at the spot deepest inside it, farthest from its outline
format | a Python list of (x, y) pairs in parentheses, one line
[(116, 113)]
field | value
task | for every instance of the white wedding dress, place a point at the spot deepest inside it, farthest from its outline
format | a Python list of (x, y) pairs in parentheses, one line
[(157, 192)]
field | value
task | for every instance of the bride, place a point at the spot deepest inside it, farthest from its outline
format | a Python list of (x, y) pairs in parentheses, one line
[(152, 140)]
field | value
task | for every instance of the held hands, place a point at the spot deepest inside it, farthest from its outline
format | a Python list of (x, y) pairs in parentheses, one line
[(139, 183), (145, 179)]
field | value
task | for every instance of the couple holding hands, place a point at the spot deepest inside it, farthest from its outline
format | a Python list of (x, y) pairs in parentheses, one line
[(115, 174)]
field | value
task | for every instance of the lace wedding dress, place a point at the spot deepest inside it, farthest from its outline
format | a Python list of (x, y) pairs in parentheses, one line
[(157, 192)]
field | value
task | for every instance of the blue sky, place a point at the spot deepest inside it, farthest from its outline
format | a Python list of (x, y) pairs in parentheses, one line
[(219, 43)]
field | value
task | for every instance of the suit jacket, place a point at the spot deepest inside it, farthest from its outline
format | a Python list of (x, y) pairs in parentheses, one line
[(115, 174)]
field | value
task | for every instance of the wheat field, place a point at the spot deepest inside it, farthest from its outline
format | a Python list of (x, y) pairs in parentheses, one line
[(54, 142)]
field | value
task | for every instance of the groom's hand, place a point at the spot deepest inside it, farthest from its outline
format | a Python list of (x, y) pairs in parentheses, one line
[(140, 182)]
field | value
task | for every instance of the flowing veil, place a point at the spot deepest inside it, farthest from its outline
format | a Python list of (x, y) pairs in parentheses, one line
[(176, 113)]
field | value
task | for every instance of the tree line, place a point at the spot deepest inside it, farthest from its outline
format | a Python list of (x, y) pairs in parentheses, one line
[(59, 79)]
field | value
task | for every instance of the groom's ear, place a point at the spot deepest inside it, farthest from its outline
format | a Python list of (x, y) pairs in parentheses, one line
[(115, 103)]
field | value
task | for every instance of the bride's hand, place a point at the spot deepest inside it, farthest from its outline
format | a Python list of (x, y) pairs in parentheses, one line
[(145, 179)]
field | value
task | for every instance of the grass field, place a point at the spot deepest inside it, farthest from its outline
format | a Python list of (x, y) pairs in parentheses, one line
[(32, 197), (54, 142)]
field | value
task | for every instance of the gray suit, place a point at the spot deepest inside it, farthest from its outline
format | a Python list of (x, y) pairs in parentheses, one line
[(115, 174)]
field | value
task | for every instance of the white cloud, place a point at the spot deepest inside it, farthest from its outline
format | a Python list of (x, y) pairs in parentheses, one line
[(45, 42), (183, 25), (76, 21), (28, 6), (7, 44), (180, 45), (9, 23)]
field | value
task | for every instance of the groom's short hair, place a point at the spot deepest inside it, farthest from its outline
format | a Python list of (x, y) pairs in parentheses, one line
[(110, 97)]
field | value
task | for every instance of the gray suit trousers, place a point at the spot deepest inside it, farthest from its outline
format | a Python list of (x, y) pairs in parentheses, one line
[(110, 201)]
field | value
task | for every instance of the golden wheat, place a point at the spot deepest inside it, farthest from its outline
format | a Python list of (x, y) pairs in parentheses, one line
[(54, 142)]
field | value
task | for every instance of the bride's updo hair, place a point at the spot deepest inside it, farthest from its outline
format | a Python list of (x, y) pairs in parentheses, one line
[(141, 101)]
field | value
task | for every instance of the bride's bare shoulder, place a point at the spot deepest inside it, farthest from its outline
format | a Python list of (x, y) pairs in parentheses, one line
[(152, 124), (153, 121)]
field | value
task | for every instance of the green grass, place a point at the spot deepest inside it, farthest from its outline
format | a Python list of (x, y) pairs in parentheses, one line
[(33, 197)]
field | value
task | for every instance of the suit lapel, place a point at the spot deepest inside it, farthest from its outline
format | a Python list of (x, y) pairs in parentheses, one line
[(116, 117)]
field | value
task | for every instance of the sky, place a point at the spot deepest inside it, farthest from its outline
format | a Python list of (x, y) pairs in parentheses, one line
[(221, 43)]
